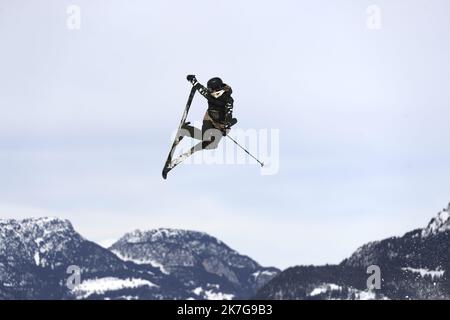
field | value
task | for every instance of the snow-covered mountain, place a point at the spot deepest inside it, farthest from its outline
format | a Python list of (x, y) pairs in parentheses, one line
[(205, 265), (38, 257), (37, 254), (414, 266)]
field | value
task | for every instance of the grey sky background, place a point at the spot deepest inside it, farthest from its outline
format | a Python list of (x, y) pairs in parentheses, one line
[(86, 118)]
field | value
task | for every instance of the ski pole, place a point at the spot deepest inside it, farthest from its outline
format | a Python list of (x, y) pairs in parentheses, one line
[(261, 163)]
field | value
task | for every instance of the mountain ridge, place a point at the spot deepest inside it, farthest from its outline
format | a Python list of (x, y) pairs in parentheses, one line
[(166, 263), (413, 266), (185, 252), (35, 254)]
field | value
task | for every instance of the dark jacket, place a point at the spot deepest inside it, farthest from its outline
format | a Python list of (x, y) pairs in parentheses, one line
[(220, 103)]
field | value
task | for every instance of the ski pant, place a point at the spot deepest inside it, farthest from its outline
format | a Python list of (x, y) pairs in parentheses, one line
[(210, 136)]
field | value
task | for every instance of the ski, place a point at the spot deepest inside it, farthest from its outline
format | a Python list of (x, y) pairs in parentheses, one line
[(167, 165)]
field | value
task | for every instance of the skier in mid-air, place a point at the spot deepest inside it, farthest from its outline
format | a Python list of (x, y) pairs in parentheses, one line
[(217, 121)]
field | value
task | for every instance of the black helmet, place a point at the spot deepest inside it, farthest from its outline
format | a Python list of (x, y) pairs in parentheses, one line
[(215, 83)]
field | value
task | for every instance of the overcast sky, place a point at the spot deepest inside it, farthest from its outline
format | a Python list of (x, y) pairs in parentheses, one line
[(363, 117)]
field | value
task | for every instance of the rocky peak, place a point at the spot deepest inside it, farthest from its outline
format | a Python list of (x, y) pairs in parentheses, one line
[(440, 223)]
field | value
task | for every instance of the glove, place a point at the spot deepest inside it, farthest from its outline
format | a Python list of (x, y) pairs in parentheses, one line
[(224, 132), (191, 78)]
